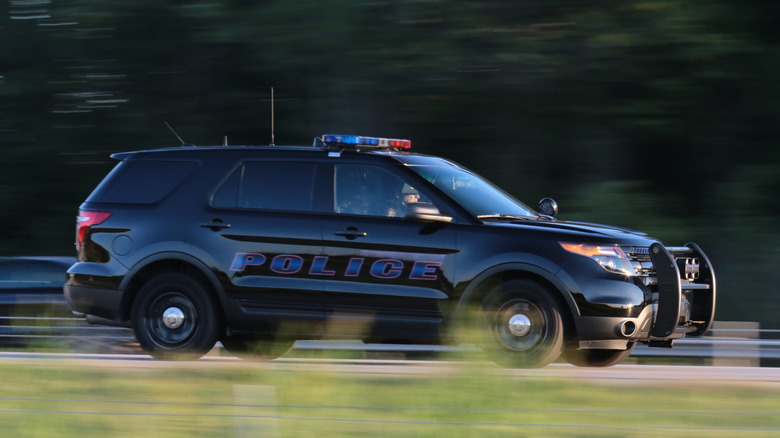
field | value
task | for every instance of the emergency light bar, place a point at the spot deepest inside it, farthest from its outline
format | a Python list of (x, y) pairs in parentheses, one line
[(360, 142)]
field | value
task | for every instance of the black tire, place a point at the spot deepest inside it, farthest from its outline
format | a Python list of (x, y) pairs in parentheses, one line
[(597, 357), (175, 318), (524, 325), (257, 348)]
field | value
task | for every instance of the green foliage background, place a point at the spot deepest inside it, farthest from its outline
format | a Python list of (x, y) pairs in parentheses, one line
[(655, 115)]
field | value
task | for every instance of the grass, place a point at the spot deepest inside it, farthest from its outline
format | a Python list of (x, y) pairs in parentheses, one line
[(45, 398)]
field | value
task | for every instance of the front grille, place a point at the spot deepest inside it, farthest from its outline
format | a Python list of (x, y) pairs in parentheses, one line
[(640, 259), (645, 271)]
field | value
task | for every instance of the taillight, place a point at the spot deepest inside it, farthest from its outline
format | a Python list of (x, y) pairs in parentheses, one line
[(86, 219)]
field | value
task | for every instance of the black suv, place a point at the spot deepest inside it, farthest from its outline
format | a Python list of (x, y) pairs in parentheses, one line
[(356, 237)]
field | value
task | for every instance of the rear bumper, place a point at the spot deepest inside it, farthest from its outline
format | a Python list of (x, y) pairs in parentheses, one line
[(94, 289), (91, 300)]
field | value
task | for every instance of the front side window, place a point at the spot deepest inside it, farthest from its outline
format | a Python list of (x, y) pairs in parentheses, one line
[(268, 185), (372, 191)]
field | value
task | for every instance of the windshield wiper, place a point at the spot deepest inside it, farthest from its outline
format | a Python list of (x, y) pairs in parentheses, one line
[(507, 217)]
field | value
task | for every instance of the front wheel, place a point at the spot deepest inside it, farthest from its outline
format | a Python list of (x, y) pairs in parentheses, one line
[(524, 324), (175, 317)]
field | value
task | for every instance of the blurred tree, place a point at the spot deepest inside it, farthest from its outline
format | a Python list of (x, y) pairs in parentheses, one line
[(658, 115)]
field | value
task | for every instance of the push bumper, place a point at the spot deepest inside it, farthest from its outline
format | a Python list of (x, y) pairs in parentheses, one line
[(684, 304), (698, 282)]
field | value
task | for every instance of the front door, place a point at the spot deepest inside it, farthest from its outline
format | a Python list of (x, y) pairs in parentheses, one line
[(385, 277)]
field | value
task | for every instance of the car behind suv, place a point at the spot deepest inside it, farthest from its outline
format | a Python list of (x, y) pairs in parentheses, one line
[(357, 237)]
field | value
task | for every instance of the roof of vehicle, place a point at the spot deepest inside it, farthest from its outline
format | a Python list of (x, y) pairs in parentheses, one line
[(327, 143), (206, 150)]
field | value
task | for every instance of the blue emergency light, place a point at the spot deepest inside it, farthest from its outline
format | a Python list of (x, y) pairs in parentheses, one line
[(359, 142)]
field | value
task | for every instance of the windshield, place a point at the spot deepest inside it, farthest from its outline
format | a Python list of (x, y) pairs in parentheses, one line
[(477, 195)]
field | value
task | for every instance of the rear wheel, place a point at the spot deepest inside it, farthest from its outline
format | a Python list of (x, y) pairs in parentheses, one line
[(175, 317), (597, 357), (524, 324)]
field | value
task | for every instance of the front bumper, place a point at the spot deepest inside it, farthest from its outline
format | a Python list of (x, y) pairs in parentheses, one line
[(684, 303)]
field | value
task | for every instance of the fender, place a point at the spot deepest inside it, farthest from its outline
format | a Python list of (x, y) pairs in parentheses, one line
[(184, 257), (558, 280)]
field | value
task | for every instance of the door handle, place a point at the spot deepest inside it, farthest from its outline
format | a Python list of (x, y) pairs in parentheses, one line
[(215, 225), (350, 233)]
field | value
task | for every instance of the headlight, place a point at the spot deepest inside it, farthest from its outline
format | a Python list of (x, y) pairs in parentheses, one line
[(611, 258)]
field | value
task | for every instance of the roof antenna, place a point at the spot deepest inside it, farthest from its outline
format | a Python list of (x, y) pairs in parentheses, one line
[(174, 133), (272, 116), (224, 143)]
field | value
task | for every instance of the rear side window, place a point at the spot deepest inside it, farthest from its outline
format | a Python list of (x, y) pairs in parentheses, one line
[(142, 182), (268, 185)]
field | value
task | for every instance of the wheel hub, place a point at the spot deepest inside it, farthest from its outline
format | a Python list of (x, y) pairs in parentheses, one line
[(519, 325), (173, 318)]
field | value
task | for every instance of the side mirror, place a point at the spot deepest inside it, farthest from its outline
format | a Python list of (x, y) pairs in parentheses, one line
[(548, 207), (423, 211)]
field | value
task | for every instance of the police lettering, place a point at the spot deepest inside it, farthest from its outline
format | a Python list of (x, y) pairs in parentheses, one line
[(287, 264), (385, 268)]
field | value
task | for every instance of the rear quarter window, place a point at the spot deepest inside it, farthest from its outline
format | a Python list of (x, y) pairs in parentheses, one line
[(142, 182)]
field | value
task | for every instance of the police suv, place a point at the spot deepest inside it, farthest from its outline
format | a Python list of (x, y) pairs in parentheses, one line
[(357, 237)]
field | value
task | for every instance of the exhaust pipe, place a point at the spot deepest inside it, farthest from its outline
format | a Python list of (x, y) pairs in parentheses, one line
[(628, 328)]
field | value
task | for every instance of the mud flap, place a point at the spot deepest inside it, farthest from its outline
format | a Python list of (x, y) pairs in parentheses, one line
[(669, 292)]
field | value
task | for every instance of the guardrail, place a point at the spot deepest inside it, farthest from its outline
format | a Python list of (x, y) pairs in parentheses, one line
[(716, 348), (728, 343), (721, 351), (69, 333)]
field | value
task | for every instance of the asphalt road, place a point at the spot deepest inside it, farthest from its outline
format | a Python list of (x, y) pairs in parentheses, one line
[(620, 374)]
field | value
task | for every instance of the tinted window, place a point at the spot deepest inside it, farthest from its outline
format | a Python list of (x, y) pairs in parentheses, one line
[(477, 195), (372, 191), (142, 182), (227, 194), (268, 185)]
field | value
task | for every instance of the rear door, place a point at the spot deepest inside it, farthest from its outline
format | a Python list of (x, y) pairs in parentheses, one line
[(264, 233)]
